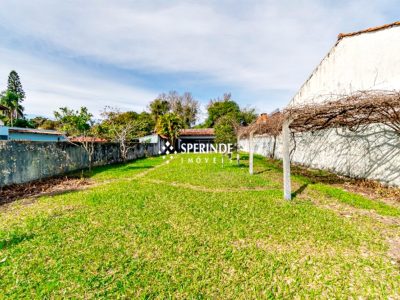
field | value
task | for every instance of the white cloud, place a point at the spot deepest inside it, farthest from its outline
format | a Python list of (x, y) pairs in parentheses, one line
[(49, 86), (252, 45)]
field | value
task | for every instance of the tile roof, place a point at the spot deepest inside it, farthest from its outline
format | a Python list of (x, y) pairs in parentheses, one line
[(197, 132), (372, 29), (87, 139)]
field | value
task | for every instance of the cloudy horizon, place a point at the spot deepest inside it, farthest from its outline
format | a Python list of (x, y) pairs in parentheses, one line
[(124, 53)]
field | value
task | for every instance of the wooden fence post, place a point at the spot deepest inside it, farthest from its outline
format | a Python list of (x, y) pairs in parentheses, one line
[(251, 153), (286, 160)]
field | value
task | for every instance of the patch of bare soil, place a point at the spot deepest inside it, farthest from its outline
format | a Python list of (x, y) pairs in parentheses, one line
[(394, 249), (373, 190), (43, 187)]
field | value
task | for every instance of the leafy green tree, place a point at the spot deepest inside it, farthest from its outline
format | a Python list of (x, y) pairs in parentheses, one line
[(79, 123), (38, 121), (184, 106), (169, 126), (159, 107), (44, 123), (219, 108), (247, 116), (14, 85), (121, 128), (50, 125), (124, 127), (145, 124), (23, 123), (225, 129), (75, 123), (226, 116)]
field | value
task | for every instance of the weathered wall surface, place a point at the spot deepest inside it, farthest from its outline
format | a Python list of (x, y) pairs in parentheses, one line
[(27, 161), (372, 153)]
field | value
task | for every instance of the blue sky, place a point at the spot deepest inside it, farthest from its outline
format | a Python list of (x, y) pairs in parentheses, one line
[(124, 53)]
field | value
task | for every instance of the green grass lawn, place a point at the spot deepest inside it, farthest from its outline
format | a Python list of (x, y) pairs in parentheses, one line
[(151, 229)]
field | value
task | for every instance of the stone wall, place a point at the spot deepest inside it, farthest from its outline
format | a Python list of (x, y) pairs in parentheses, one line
[(27, 161), (372, 153)]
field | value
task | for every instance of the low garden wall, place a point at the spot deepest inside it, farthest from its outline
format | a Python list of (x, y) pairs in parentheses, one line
[(371, 153), (27, 161)]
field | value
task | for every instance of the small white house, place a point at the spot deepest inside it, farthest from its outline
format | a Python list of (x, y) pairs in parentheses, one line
[(154, 139)]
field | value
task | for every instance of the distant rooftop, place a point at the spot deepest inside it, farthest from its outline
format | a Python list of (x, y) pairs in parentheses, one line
[(80, 139), (197, 132)]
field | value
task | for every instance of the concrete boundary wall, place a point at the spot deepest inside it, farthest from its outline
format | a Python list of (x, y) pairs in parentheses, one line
[(371, 153), (27, 161)]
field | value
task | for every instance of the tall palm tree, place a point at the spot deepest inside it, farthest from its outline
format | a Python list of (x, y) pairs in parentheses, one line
[(169, 125), (11, 100)]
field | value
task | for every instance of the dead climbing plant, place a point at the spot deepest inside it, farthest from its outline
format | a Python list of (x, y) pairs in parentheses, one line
[(351, 111)]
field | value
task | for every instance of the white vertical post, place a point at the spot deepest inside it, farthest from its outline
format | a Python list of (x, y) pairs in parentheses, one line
[(251, 153), (237, 150), (286, 161)]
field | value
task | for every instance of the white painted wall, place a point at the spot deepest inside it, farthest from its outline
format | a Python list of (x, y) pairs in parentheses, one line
[(367, 61), (372, 153)]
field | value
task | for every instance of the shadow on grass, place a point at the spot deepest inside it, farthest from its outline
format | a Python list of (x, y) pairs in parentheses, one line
[(15, 240), (311, 176), (263, 171), (244, 156), (299, 190)]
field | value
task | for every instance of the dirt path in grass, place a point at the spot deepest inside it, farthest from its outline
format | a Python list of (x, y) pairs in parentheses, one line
[(206, 189)]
